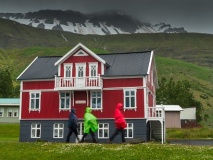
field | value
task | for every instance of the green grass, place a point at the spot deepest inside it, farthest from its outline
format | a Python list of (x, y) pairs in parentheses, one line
[(11, 149), (190, 133), (145, 151)]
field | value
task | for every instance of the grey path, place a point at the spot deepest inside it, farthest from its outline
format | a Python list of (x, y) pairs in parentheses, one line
[(193, 142)]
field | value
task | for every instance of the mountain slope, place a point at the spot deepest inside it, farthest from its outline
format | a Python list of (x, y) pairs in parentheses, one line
[(20, 44), (103, 23)]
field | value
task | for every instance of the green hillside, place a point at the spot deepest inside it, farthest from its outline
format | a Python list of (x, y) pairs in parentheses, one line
[(181, 56)]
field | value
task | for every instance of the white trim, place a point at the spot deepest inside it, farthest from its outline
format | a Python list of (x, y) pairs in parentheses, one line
[(20, 106), (70, 98), (103, 130), (122, 88), (71, 67), (135, 99), (145, 98), (81, 51), (34, 109), (58, 129), (150, 63), (93, 64), (77, 47), (42, 90), (26, 68), (127, 130)]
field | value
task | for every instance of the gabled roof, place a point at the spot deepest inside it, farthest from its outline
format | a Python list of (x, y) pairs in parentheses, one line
[(127, 64), (9, 101), (74, 50), (171, 107), (40, 68), (118, 64)]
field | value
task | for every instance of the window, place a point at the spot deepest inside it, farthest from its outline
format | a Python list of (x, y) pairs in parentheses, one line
[(9, 113), (129, 130), (130, 99), (35, 130), (96, 100), (58, 130), (80, 129), (65, 101), (12, 112), (68, 70), (35, 101), (1, 112), (103, 130), (93, 67)]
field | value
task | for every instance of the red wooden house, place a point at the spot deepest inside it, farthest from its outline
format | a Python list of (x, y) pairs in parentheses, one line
[(51, 86)]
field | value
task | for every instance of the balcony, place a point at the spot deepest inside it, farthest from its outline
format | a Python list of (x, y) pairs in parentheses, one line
[(156, 113), (78, 83)]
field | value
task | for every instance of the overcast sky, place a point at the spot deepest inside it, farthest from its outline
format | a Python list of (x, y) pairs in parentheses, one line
[(193, 15)]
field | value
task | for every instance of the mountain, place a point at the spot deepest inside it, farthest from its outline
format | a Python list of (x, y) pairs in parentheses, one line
[(102, 23)]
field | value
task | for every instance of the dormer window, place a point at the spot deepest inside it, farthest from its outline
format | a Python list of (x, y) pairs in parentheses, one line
[(93, 69), (67, 70)]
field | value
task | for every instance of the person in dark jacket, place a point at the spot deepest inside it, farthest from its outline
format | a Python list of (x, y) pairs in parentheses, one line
[(120, 123), (72, 125)]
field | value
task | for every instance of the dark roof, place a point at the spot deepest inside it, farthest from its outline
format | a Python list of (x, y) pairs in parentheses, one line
[(127, 64), (41, 68), (119, 64)]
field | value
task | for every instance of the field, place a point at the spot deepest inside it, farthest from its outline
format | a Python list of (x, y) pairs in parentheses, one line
[(11, 149)]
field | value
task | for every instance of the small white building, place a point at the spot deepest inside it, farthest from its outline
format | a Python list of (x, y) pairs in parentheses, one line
[(188, 117), (172, 115)]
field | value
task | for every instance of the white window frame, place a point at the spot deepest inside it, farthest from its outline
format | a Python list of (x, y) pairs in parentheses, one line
[(130, 97), (11, 112), (69, 105), (96, 98), (127, 130), (65, 70), (15, 111), (2, 112), (91, 66), (102, 130), (35, 98), (36, 130), (58, 130)]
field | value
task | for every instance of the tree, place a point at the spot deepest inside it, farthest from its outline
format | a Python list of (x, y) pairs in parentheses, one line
[(6, 84), (171, 92)]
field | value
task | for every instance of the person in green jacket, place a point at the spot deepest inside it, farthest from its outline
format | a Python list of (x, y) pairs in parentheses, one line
[(90, 124)]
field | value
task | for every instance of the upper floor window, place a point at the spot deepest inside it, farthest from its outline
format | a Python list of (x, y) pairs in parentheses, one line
[(1, 112), (103, 130), (96, 100), (93, 69), (35, 130), (35, 98), (67, 70), (58, 130), (130, 99), (65, 101)]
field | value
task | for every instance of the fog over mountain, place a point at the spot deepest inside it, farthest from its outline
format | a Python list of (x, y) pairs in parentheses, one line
[(102, 23), (193, 15)]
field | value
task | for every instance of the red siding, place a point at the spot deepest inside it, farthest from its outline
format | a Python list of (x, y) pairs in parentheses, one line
[(128, 82), (49, 107), (80, 59), (38, 85)]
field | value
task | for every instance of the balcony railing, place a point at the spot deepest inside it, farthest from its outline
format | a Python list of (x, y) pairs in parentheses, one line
[(77, 82), (156, 113)]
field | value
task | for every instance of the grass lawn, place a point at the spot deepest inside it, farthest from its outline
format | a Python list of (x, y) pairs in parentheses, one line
[(11, 148), (142, 151)]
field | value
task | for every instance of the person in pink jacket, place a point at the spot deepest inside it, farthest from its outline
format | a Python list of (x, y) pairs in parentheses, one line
[(120, 123)]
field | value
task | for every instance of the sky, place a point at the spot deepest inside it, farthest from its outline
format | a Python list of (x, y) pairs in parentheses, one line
[(193, 15)]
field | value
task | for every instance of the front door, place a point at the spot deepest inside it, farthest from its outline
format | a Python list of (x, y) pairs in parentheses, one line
[(80, 75)]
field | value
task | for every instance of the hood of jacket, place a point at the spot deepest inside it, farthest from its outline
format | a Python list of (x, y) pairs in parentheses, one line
[(88, 110), (73, 110), (119, 106)]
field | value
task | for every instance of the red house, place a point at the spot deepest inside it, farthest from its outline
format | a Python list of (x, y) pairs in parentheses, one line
[(51, 86)]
